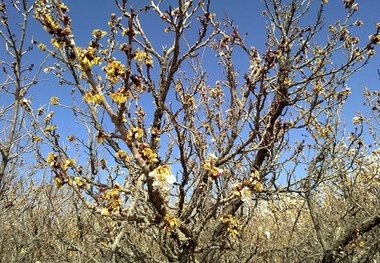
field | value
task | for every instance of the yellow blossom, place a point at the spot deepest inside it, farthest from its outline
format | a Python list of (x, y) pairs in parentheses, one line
[(287, 82), (134, 133), (50, 128), (209, 166), (332, 29), (375, 39), (54, 100), (233, 225), (257, 186), (93, 98), (143, 57), (50, 24), (88, 57), (236, 189), (149, 156), (357, 119), (81, 183), (127, 32), (41, 46), (70, 138), (36, 138), (211, 16), (98, 34), (68, 163), (57, 44), (40, 110), (105, 211), (325, 132), (122, 155), (370, 52), (119, 97), (51, 158), (172, 222), (114, 71), (100, 137), (58, 182), (318, 88), (246, 189), (113, 198)]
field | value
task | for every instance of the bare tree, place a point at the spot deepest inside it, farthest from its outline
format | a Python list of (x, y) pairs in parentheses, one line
[(17, 145), (19, 75), (183, 163)]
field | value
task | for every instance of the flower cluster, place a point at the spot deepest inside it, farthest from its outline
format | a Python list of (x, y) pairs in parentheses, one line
[(143, 57), (68, 163), (50, 128), (36, 138), (216, 92), (122, 155), (101, 136), (233, 225), (171, 222), (163, 178), (134, 134), (257, 186), (41, 46), (358, 119), (114, 71), (120, 96), (51, 158), (149, 155), (113, 200), (88, 57), (247, 188), (98, 34), (43, 14), (209, 166), (369, 168), (93, 97), (57, 43), (58, 182), (375, 39), (324, 132), (81, 183), (54, 100)]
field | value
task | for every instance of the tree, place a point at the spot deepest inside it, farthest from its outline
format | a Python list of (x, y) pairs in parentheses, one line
[(188, 169), (17, 80), (17, 144)]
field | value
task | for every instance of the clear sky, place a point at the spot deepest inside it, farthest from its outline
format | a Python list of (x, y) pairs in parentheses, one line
[(90, 14)]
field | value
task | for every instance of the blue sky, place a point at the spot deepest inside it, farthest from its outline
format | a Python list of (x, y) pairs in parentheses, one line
[(90, 14)]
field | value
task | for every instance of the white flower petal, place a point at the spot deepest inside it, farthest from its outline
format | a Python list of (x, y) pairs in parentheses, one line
[(170, 178), (156, 184)]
